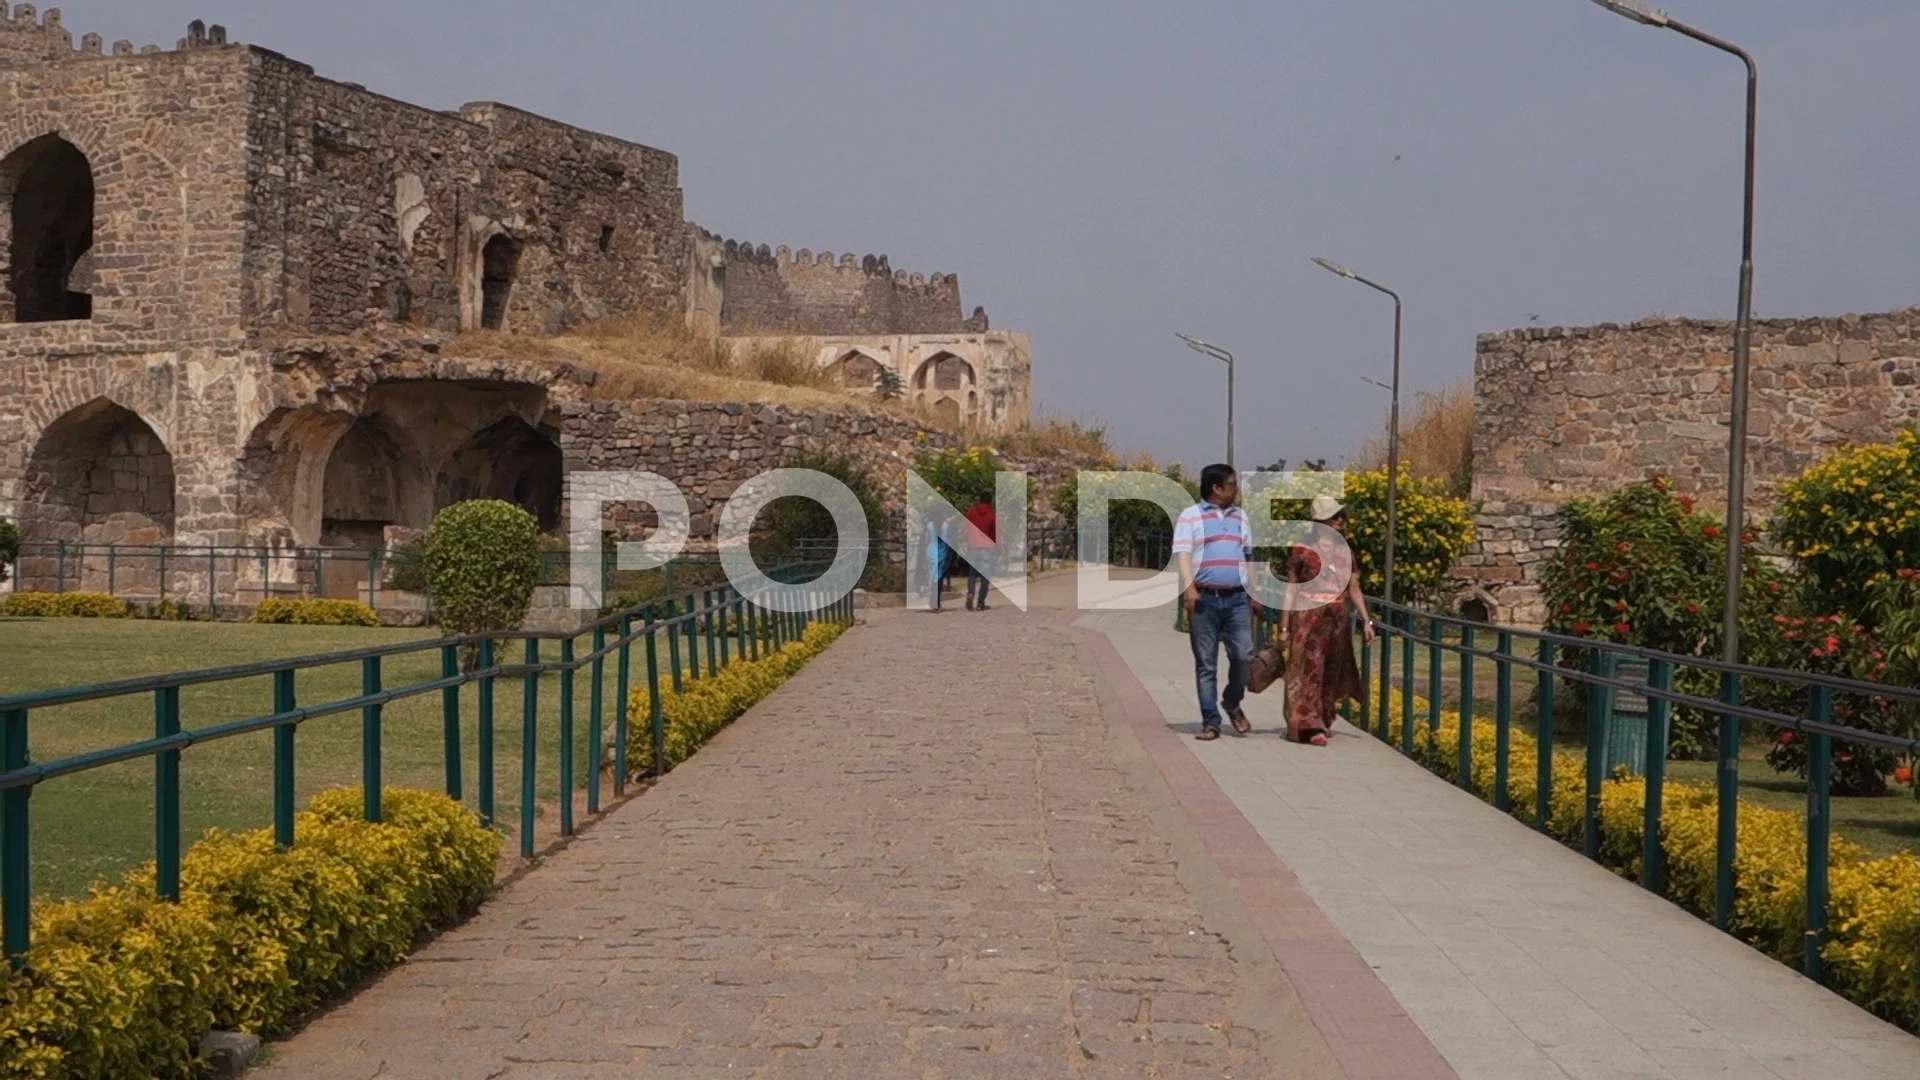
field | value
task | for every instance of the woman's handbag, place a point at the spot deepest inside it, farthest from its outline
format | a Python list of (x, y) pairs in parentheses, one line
[(1268, 665)]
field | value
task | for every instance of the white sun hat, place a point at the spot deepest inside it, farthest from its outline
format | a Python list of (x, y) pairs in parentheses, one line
[(1326, 508)]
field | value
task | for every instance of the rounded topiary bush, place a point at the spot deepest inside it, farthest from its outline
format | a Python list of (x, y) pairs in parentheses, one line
[(483, 560)]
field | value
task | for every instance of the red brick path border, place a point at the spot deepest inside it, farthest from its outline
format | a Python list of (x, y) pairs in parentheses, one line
[(1370, 1035)]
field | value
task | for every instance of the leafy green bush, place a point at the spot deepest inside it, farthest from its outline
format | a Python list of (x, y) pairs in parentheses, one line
[(122, 984), (1432, 528), (483, 561), (9, 547), (784, 522), (1131, 517), (70, 605), (406, 566), (167, 609), (1853, 522), (315, 612), (1642, 567)]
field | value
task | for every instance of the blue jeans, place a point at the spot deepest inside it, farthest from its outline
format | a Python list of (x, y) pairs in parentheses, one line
[(977, 581), (1221, 620)]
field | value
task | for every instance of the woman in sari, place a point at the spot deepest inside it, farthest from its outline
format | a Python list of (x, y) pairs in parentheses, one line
[(1317, 626)]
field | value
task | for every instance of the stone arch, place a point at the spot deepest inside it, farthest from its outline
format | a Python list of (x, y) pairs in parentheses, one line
[(283, 475), (857, 369), (366, 486), (48, 188), (98, 475), (943, 371), (499, 265), (510, 460), (1477, 605)]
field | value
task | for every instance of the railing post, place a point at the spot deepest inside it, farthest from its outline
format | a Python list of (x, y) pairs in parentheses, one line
[(450, 718), (596, 722), (706, 630), (1406, 681), (566, 736), (213, 573), (1819, 834), (1465, 779), (60, 567), (16, 892), (370, 736), (529, 745), (1543, 738), (673, 642), (1653, 850), (1436, 633), (724, 605), (485, 748), (112, 569), (283, 702), (1727, 838), (622, 722), (656, 726), (1384, 628), (1366, 670), (1503, 724), (1599, 718), (166, 796), (163, 571), (692, 631), (740, 625)]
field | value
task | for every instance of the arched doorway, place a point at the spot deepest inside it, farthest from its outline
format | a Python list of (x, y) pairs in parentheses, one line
[(48, 186), (361, 494), (943, 372), (512, 461), (857, 371), (98, 476), (499, 262)]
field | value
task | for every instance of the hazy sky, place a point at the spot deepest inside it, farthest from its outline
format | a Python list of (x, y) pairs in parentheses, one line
[(1103, 174)]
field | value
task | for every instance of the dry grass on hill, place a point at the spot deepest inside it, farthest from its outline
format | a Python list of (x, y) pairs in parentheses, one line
[(1436, 439)]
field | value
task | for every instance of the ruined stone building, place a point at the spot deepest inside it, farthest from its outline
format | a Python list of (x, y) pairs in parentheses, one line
[(193, 239), (1562, 412)]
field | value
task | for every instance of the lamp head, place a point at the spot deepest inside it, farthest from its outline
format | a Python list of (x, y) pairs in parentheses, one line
[(1638, 10), (1193, 343), (1333, 267)]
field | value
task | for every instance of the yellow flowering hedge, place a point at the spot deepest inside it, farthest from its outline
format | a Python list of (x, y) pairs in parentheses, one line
[(315, 612), (703, 706), (1853, 521), (1873, 951), (67, 605), (1432, 528), (121, 984)]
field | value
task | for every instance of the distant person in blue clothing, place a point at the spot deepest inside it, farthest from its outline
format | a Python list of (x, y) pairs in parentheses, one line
[(937, 555), (1213, 542)]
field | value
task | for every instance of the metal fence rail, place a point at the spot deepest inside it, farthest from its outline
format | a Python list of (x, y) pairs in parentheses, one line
[(708, 629), (1600, 677)]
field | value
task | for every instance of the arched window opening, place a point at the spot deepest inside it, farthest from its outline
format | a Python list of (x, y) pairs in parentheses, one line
[(857, 371), (500, 261), (48, 185), (512, 461), (360, 495), (943, 372)]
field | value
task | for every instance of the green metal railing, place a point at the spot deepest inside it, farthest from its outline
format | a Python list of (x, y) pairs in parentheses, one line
[(1545, 656), (717, 627)]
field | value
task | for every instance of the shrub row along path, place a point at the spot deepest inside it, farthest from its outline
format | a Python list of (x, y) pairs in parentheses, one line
[(939, 851), (1518, 958)]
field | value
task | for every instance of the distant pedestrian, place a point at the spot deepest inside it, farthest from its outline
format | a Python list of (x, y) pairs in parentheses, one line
[(937, 551), (981, 526), (1213, 543), (1318, 629)]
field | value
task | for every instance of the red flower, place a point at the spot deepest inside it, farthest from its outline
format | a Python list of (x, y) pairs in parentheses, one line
[(1693, 609), (1686, 503), (1594, 567), (1833, 643), (1622, 628), (1781, 619), (1619, 605), (1566, 609), (1712, 532), (1580, 628), (1747, 537), (1903, 775), (1786, 738), (1621, 547)]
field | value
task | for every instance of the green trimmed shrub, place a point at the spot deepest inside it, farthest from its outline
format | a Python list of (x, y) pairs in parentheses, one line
[(70, 605), (483, 561), (315, 611), (9, 547)]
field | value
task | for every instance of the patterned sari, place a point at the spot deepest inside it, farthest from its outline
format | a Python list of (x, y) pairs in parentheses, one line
[(1321, 668)]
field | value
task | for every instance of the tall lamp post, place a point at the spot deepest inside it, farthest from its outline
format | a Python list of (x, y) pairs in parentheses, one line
[(1393, 417), (1217, 353), (1729, 776)]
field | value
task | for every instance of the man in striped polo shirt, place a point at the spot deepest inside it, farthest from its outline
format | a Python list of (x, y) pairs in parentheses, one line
[(1213, 541)]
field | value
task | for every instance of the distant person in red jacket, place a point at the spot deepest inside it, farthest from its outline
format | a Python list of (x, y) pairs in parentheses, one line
[(980, 552)]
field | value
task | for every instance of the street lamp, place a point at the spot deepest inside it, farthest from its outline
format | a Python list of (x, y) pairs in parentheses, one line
[(1217, 353), (1729, 767), (1393, 417)]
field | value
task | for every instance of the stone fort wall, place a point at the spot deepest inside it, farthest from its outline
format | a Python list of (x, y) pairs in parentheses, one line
[(762, 290), (1563, 412)]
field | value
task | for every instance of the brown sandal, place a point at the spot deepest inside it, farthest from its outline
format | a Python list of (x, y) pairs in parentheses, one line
[(1208, 734), (1240, 722)]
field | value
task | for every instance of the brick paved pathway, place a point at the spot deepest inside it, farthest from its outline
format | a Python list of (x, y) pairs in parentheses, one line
[(932, 854)]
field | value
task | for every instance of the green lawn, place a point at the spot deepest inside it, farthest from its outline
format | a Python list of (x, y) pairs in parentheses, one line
[(100, 823), (1884, 825)]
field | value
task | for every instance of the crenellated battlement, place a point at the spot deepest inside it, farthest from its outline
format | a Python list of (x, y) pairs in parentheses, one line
[(783, 259), (30, 36)]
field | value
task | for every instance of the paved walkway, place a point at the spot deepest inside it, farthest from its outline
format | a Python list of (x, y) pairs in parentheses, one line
[(931, 854), (1517, 957)]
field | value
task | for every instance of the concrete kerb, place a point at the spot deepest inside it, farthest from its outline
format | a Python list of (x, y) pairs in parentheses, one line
[(1270, 1009)]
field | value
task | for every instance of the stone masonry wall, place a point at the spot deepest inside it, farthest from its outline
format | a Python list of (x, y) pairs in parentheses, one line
[(777, 291), (1562, 412)]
